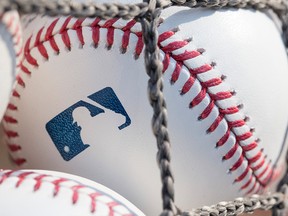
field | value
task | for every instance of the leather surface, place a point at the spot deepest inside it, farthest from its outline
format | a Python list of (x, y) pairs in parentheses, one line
[(35, 192)]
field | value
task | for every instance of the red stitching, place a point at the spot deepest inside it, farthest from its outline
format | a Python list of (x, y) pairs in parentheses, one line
[(41, 48), (244, 136), (212, 82), (248, 183), (176, 72), (201, 69), (126, 36), (244, 174), (39, 179), (95, 31), (251, 160), (199, 98), (10, 119), (250, 147), (75, 195), (27, 54), (237, 164), (93, 197), (15, 94), (11, 107), (19, 161), (231, 110), (187, 86), (77, 26), (12, 23), (14, 147), (22, 177), (230, 154), (215, 124), (11, 134), (223, 139), (110, 31), (20, 81), (64, 33), (38, 183), (206, 112), (49, 36), (56, 184), (258, 166)]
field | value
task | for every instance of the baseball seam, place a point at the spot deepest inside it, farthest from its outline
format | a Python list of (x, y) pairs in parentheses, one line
[(11, 22), (251, 167), (59, 183)]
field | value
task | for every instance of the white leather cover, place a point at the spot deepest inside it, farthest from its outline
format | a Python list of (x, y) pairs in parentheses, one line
[(10, 49), (81, 104), (42, 192)]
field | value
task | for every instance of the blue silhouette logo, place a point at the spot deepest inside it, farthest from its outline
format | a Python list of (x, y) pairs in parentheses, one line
[(65, 131)]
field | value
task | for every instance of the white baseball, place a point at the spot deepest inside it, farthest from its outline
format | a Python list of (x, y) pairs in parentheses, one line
[(81, 104), (10, 51), (42, 192)]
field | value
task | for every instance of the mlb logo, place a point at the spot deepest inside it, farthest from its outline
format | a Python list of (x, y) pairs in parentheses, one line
[(65, 128)]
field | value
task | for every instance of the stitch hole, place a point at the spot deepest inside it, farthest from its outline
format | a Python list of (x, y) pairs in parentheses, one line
[(223, 77), (233, 92), (188, 39), (246, 118), (213, 64), (252, 129), (240, 106), (258, 140), (201, 50), (160, 21), (95, 45), (123, 50), (136, 56), (108, 46), (176, 29), (81, 46)]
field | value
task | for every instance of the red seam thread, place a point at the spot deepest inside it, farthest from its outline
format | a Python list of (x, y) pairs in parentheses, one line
[(22, 177), (12, 107), (49, 36), (14, 147), (78, 28), (64, 34), (42, 50), (176, 72), (93, 197), (126, 36), (40, 178), (214, 97)]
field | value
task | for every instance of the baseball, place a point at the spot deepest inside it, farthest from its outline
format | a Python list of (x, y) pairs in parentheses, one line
[(41, 192), (80, 104), (10, 49)]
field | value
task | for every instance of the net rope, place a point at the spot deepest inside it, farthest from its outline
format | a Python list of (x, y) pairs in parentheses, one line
[(147, 13)]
